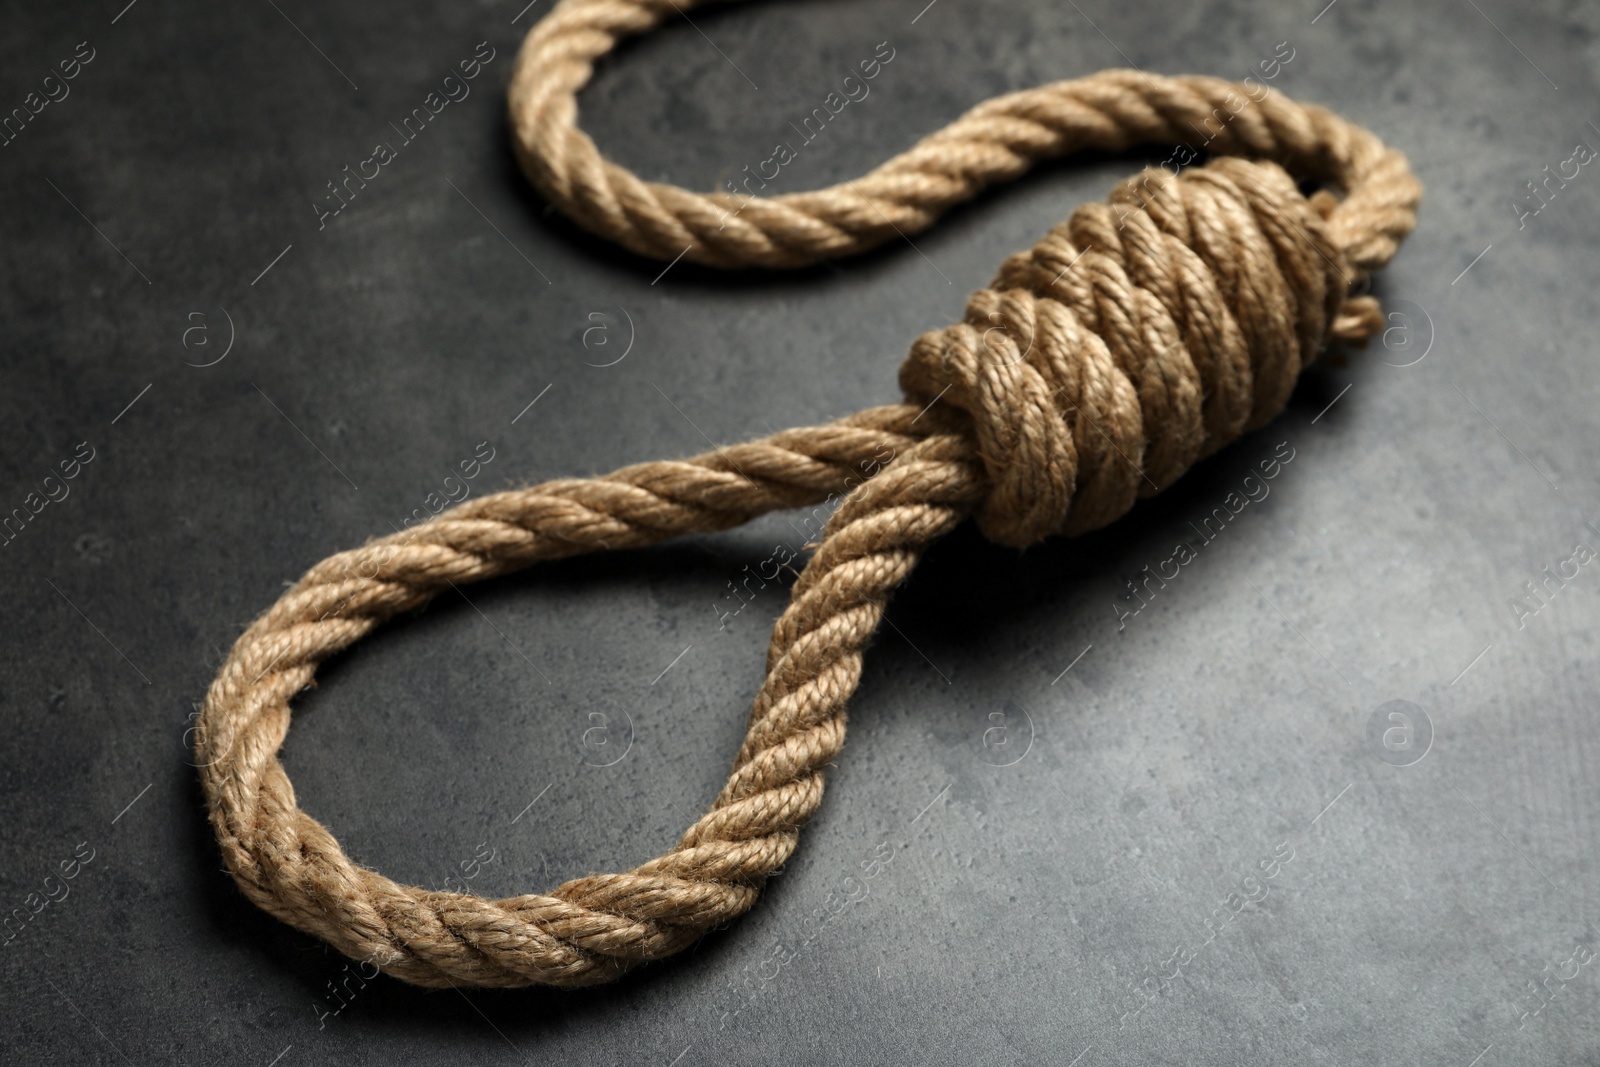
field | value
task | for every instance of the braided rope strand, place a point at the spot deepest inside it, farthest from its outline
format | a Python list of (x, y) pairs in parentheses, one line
[(1135, 338), (995, 142)]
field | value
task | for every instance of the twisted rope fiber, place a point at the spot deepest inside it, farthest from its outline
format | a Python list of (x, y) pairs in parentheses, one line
[(1137, 337)]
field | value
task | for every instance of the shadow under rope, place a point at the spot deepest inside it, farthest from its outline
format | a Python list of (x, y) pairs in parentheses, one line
[(980, 590), (1087, 175)]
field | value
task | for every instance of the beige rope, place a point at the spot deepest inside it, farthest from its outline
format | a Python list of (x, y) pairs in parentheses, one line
[(1135, 338)]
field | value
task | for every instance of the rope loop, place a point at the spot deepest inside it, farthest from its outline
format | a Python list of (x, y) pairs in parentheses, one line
[(1138, 336)]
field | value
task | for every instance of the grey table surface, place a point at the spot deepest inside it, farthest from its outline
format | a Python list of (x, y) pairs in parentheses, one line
[(1051, 806)]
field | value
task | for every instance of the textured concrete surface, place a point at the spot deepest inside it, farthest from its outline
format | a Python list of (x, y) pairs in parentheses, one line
[(1037, 812)]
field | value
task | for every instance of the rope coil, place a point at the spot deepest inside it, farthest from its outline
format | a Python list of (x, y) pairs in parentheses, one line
[(1137, 337)]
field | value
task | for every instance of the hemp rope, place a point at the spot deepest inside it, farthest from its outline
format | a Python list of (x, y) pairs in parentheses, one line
[(1137, 337)]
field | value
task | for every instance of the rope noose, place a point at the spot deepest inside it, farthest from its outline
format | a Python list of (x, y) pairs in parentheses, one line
[(1137, 337)]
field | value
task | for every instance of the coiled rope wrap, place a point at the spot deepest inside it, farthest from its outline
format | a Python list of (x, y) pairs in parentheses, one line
[(1135, 338)]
